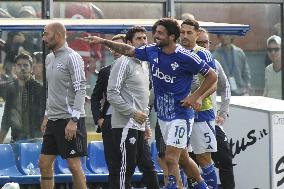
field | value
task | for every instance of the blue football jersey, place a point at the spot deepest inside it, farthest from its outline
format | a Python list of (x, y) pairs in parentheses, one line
[(172, 77), (205, 55)]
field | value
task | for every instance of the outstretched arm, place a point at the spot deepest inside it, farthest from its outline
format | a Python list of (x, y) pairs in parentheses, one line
[(121, 48)]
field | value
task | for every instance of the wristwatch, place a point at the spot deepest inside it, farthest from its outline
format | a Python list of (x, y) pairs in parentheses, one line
[(75, 119)]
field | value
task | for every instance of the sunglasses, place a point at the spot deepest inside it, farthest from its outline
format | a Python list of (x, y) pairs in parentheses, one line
[(202, 43), (277, 49)]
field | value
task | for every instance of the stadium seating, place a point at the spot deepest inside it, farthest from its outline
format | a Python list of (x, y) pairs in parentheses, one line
[(94, 165), (63, 174), (8, 166), (96, 161), (61, 171), (28, 163), (61, 166), (29, 153)]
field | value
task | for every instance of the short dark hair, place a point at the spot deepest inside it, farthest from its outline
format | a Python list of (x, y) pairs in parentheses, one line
[(119, 36), (131, 32), (193, 23), (25, 56), (170, 24)]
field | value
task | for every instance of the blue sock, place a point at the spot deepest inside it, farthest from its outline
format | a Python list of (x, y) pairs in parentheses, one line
[(210, 177), (171, 182), (201, 185)]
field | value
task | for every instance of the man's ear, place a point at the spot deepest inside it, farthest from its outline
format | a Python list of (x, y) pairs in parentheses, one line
[(172, 37), (57, 36), (198, 33)]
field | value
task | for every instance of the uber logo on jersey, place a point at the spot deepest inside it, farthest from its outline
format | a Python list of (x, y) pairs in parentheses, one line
[(167, 78)]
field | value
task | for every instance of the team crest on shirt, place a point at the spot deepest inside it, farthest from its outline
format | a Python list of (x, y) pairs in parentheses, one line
[(132, 140), (59, 66), (174, 65)]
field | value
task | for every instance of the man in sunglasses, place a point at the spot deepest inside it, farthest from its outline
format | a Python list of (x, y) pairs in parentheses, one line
[(272, 87)]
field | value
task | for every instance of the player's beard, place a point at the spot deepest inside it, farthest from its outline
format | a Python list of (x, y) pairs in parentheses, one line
[(161, 43)]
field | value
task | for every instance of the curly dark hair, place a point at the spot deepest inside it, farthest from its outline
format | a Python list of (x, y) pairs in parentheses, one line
[(172, 26)]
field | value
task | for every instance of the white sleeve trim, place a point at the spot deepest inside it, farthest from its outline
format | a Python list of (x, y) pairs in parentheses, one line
[(76, 113)]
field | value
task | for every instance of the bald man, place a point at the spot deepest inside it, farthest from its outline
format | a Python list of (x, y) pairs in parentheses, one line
[(63, 127)]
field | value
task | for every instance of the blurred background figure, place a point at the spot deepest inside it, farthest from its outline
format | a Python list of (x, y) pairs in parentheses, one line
[(273, 75), (24, 103), (277, 29), (234, 62), (32, 37), (37, 68), (185, 16), (27, 12), (4, 13), (16, 43)]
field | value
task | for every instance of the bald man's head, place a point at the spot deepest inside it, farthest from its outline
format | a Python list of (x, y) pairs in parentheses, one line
[(54, 35), (58, 28)]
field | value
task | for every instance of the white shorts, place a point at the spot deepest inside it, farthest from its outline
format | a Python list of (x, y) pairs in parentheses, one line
[(203, 138), (175, 133)]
